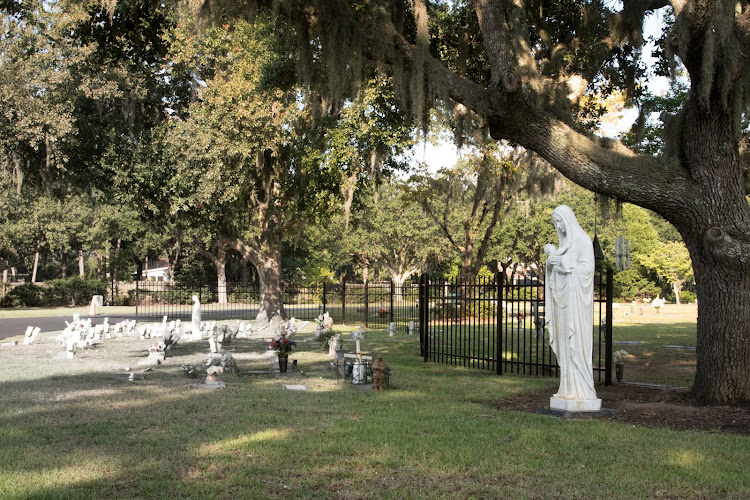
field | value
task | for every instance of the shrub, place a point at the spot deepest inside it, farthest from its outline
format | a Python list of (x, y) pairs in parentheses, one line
[(26, 295), (75, 291), (631, 284), (686, 297)]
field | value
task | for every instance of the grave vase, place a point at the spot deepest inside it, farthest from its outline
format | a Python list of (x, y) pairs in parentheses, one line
[(619, 367), (283, 362), (211, 377)]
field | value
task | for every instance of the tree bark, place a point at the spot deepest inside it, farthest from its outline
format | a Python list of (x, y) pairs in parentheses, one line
[(220, 261), (36, 266), (81, 270), (265, 254), (677, 288), (63, 264), (398, 282), (271, 291)]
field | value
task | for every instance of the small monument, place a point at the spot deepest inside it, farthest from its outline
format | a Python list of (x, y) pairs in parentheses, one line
[(327, 321), (569, 310), (378, 373)]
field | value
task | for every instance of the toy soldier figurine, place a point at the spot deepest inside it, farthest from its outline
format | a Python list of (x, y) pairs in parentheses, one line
[(378, 373)]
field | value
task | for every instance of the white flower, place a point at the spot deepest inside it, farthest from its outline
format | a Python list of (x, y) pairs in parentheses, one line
[(620, 356), (213, 370)]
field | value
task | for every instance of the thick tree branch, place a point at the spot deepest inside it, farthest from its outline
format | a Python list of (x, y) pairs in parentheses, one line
[(604, 166), (498, 44)]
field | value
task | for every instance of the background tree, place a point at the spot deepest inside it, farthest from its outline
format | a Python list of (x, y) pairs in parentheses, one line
[(672, 262), (393, 232), (468, 201)]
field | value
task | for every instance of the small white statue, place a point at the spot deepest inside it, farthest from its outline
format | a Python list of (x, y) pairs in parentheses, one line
[(196, 321)]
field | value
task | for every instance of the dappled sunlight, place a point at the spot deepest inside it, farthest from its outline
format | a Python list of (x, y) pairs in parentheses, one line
[(47, 479), (241, 443), (685, 459)]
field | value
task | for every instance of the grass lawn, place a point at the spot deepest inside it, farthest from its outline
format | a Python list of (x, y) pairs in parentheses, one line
[(72, 429), (665, 348)]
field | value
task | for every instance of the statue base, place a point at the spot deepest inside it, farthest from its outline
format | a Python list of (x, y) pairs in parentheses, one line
[(575, 404)]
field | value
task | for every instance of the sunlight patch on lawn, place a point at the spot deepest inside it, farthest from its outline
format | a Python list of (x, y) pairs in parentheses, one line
[(54, 479), (242, 442), (685, 459)]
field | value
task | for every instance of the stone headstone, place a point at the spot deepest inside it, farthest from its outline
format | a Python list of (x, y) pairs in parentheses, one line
[(293, 387), (334, 344), (27, 335)]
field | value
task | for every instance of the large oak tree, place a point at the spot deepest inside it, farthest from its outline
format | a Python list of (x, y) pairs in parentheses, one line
[(523, 69)]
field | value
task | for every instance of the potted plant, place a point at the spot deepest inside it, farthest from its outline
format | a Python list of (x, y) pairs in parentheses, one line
[(282, 347), (619, 358)]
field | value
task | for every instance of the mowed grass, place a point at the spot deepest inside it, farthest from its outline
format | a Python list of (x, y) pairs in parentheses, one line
[(72, 429), (665, 352)]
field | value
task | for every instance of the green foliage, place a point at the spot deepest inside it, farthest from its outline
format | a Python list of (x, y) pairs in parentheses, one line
[(25, 295), (74, 291), (631, 284), (687, 297)]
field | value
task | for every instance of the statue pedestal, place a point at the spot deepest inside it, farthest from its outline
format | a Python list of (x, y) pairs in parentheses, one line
[(575, 404)]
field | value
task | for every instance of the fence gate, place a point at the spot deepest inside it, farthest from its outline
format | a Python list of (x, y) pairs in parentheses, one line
[(497, 326)]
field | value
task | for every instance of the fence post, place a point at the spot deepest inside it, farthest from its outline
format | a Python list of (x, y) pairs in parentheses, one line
[(424, 315), (499, 278), (393, 292), (324, 299), (608, 329), (367, 305), (343, 302)]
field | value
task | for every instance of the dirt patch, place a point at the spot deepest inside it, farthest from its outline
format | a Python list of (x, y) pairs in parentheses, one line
[(654, 407)]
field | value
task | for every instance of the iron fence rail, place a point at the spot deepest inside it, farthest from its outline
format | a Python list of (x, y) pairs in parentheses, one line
[(497, 326), (374, 305)]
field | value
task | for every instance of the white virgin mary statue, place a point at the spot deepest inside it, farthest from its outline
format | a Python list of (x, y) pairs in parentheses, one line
[(569, 311)]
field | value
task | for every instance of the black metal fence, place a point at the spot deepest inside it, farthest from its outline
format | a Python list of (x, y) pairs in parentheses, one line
[(375, 305), (498, 326)]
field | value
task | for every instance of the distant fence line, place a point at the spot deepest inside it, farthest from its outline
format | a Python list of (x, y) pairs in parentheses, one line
[(375, 305)]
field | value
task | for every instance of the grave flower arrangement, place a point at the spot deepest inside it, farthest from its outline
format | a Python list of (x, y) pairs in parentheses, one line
[(156, 347), (282, 346), (620, 356), (214, 370), (657, 303)]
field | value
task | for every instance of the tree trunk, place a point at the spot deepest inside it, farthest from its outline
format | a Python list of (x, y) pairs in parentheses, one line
[(36, 266), (677, 288), (723, 350), (63, 264), (81, 270), (108, 263), (220, 261), (245, 273), (269, 274), (398, 279)]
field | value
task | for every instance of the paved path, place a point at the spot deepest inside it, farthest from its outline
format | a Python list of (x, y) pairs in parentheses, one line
[(10, 327)]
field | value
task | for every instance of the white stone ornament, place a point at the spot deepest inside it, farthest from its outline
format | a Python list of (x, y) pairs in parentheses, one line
[(569, 312)]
